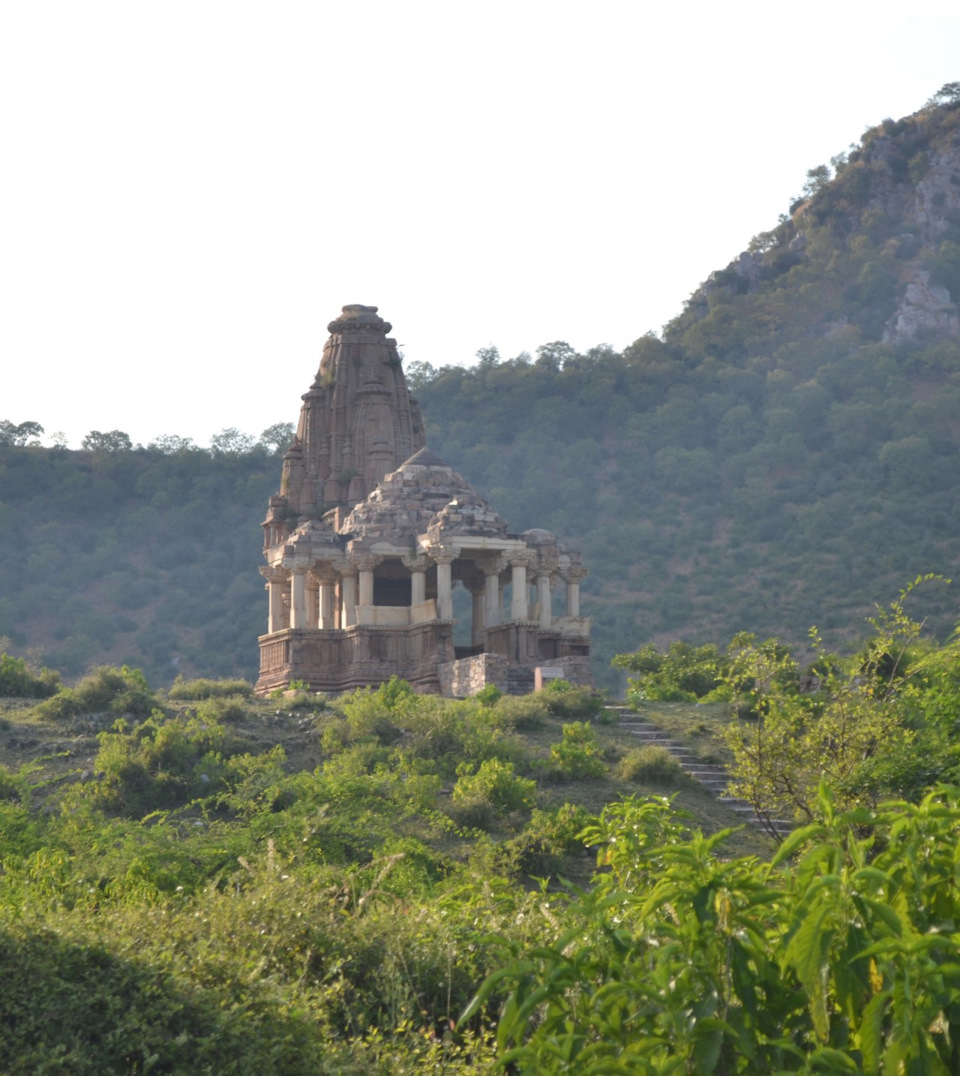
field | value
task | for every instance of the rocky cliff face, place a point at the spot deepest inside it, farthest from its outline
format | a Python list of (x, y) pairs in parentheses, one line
[(884, 231)]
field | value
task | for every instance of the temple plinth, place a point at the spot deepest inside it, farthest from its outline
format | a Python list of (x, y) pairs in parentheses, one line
[(372, 533)]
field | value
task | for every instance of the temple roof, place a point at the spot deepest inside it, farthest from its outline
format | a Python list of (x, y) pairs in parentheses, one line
[(424, 493)]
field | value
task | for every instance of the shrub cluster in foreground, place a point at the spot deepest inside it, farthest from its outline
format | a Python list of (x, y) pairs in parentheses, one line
[(195, 906)]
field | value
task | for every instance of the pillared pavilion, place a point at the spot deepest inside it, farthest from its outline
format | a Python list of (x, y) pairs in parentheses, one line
[(372, 534)]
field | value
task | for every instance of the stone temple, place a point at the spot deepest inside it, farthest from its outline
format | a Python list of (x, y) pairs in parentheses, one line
[(372, 536)]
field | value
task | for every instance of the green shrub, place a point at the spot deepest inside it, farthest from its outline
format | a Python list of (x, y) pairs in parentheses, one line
[(222, 708), (549, 836), (60, 707), (17, 680), (334, 734), (489, 695), (356, 760), (104, 689), (13, 787), (161, 763), (203, 688), (684, 673), (651, 763), (577, 755), (116, 1013), (564, 699), (525, 713), (496, 783), (483, 797), (370, 714), (298, 699)]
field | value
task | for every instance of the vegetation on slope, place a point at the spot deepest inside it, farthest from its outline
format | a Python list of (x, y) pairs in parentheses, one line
[(373, 884), (212, 883)]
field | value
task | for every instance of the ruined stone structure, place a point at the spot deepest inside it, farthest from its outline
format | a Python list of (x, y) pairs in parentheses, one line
[(371, 533)]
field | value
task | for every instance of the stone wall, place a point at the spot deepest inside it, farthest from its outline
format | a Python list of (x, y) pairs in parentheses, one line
[(574, 669), (466, 676)]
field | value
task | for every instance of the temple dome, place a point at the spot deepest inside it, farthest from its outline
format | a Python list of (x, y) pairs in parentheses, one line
[(423, 495)]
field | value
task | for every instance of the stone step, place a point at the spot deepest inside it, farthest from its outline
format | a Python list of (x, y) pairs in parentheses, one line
[(712, 777)]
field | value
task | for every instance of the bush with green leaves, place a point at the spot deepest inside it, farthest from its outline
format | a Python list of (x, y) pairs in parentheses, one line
[(205, 688), (879, 723), (564, 699), (489, 695), (220, 709), (18, 680), (375, 713), (158, 764), (105, 689), (680, 959), (685, 673), (651, 763), (493, 782), (525, 713), (578, 753), (539, 850)]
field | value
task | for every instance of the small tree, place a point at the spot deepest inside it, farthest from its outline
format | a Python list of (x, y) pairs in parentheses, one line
[(171, 444), (817, 179), (683, 674), (852, 728), (277, 438), (112, 441), (231, 442), (26, 433), (948, 96)]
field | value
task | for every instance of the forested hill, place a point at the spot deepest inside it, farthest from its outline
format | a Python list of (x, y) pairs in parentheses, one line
[(786, 454)]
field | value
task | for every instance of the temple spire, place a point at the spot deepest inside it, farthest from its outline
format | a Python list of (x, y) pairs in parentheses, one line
[(358, 421)]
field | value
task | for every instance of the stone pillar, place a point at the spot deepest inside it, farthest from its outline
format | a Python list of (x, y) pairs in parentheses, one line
[(491, 604), (276, 581), (544, 597), (298, 598), (573, 576), (444, 556), (519, 593), (348, 596), (326, 619), (418, 578), (366, 565), (476, 633), (313, 602)]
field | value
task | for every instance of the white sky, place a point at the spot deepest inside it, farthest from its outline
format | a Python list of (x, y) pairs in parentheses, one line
[(190, 191)]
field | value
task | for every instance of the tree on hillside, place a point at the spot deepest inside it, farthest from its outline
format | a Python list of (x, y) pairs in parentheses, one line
[(26, 433), (231, 442), (859, 725), (277, 438), (111, 441), (947, 96), (171, 444)]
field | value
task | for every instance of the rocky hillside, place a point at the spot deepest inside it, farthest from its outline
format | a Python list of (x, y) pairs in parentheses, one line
[(872, 253)]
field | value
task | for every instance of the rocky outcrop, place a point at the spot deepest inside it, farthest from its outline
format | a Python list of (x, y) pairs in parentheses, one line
[(925, 309)]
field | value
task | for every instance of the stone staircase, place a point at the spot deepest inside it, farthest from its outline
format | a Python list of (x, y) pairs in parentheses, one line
[(714, 778)]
